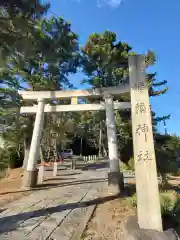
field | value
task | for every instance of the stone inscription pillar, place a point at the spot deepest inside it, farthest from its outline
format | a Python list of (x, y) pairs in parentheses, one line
[(148, 203)]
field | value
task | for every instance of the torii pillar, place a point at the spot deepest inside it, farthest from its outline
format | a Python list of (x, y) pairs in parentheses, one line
[(31, 173), (115, 177)]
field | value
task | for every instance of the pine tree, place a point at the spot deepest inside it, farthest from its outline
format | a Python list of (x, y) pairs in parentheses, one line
[(105, 63), (56, 56), (153, 92), (18, 27)]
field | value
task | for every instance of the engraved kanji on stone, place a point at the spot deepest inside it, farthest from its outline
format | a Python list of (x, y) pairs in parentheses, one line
[(140, 156), (142, 128), (143, 156), (140, 108), (146, 156), (139, 86)]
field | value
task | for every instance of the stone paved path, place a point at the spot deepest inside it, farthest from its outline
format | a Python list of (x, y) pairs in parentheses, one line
[(54, 213)]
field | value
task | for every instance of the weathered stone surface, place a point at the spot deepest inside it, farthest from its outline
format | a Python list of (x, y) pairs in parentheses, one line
[(115, 182), (55, 169), (133, 232), (73, 163), (40, 175), (148, 203), (53, 213), (30, 179), (114, 174)]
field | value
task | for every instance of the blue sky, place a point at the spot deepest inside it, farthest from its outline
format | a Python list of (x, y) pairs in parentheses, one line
[(144, 24)]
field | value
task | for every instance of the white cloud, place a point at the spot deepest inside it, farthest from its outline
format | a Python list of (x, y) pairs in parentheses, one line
[(111, 3), (101, 3)]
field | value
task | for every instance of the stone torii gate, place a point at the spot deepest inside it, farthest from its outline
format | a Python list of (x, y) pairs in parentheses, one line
[(115, 179), (148, 204)]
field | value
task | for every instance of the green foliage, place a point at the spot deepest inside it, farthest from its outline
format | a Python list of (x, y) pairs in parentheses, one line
[(131, 164), (167, 151), (43, 55), (4, 159), (17, 20), (134, 201), (9, 157), (105, 61), (55, 56), (30, 9), (153, 84), (169, 207), (124, 167), (176, 208), (128, 166)]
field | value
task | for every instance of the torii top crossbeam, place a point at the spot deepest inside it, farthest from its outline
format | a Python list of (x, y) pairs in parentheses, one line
[(33, 95)]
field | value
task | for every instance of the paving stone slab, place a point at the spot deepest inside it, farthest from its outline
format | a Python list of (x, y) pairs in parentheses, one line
[(54, 213), (55, 218), (70, 224), (12, 222)]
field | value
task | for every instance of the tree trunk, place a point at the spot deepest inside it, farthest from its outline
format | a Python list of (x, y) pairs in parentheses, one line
[(163, 180)]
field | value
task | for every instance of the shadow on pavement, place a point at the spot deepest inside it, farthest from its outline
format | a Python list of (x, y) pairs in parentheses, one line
[(68, 174), (58, 179), (95, 166), (78, 182), (10, 223), (2, 209), (57, 185)]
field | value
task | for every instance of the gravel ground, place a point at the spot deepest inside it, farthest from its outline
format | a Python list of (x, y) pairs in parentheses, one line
[(108, 221)]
